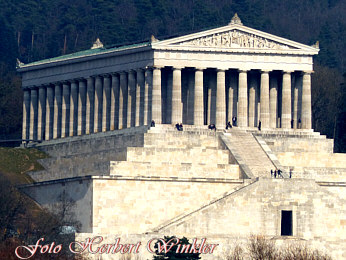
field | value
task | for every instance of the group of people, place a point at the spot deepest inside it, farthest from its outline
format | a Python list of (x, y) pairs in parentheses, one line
[(278, 173)]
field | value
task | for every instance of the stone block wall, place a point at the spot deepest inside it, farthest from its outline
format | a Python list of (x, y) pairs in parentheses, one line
[(137, 206), (279, 144), (318, 215)]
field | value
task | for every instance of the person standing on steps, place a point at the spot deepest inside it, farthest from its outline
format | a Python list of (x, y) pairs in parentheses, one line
[(259, 125), (234, 121)]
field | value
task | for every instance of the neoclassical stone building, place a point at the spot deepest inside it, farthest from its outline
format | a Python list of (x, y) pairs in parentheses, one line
[(125, 179), (198, 79)]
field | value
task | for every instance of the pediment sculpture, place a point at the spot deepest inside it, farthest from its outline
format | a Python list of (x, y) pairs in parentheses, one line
[(235, 39)]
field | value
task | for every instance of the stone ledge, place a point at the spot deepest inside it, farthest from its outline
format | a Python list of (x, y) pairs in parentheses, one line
[(130, 178)]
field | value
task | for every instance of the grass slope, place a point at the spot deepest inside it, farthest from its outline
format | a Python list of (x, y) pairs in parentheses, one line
[(16, 162)]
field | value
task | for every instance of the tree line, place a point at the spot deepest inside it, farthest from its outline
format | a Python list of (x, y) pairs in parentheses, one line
[(31, 30)]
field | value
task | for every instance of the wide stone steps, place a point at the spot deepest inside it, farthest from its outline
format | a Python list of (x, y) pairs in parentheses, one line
[(78, 165), (187, 155), (179, 170), (175, 139), (251, 153)]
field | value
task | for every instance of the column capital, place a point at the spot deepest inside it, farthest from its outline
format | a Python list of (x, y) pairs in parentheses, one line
[(90, 78), (43, 86), (33, 87), (220, 69), (105, 75), (114, 74), (200, 68), (243, 70), (131, 71), (80, 79), (156, 67), (177, 67), (65, 82), (287, 71), (123, 72), (308, 72), (265, 71), (72, 81)]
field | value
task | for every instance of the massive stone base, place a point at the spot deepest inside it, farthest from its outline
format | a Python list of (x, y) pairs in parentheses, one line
[(138, 184)]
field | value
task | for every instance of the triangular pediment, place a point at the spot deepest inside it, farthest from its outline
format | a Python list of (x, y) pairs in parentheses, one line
[(236, 37)]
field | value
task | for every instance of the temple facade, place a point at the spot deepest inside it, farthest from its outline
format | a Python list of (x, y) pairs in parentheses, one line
[(210, 77), (140, 183)]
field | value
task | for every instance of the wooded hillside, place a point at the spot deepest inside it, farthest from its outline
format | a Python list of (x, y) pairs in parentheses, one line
[(36, 29)]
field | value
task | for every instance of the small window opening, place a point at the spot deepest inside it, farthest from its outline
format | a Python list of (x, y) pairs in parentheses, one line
[(286, 223)]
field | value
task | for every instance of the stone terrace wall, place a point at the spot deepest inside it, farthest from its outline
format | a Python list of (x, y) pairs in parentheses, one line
[(135, 205), (94, 142), (317, 214), (299, 144)]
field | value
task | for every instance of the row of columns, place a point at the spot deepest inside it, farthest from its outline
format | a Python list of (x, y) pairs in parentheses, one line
[(127, 99)]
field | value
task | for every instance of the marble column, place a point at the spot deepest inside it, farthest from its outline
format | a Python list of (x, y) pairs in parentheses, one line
[(198, 118), (33, 114), (264, 99), (26, 114), (65, 110), (169, 96), (177, 109), (49, 113), (212, 98), (98, 105), (306, 101), (57, 111), (140, 97), (190, 97), (252, 99), (209, 96), (115, 102), (156, 96), (273, 100), (148, 96), (220, 100), (286, 100), (232, 96), (297, 100), (41, 113), (81, 107), (123, 101), (106, 111), (74, 108), (131, 101), (90, 106), (242, 119)]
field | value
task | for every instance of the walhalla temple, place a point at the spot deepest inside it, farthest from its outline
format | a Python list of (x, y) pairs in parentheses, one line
[(107, 119)]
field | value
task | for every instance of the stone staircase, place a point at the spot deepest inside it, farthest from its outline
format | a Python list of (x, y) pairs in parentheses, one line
[(86, 155), (161, 151), (248, 153), (192, 153)]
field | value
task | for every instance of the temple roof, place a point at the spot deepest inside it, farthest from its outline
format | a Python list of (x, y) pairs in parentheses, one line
[(234, 37)]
